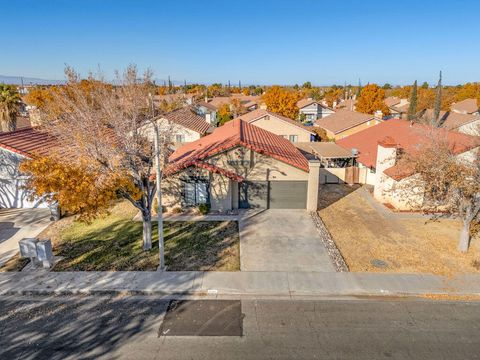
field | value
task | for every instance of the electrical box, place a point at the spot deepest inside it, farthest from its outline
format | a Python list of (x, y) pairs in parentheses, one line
[(28, 247), (44, 251)]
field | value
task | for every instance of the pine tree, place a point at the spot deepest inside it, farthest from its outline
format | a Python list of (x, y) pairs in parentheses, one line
[(438, 103), (412, 108)]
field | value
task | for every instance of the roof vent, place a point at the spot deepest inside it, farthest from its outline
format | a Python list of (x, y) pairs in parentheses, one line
[(354, 152)]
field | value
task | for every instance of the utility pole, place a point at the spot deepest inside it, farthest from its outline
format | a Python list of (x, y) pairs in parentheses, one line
[(161, 248)]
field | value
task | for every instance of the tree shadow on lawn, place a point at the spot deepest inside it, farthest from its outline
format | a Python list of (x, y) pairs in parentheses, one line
[(189, 246), (74, 328)]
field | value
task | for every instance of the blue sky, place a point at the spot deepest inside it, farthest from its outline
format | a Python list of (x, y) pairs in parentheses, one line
[(263, 41)]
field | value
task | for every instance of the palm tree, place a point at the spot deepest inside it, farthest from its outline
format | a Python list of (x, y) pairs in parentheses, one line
[(9, 100)]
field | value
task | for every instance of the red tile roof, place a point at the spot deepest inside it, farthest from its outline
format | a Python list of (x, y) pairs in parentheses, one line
[(28, 142), (405, 135), (251, 116), (237, 133), (188, 118)]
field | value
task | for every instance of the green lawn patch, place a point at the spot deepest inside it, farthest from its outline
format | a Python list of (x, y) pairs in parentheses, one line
[(114, 243)]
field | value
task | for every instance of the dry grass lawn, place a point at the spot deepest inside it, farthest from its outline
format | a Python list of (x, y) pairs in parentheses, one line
[(114, 243), (405, 244)]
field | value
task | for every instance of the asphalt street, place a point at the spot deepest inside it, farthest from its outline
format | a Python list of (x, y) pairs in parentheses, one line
[(136, 327)]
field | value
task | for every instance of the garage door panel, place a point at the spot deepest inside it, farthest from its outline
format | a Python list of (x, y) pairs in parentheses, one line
[(288, 194)]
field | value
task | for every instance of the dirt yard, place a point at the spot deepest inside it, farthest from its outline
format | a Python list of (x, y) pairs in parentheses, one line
[(372, 238)]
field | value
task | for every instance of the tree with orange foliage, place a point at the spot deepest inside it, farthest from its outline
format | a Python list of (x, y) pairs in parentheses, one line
[(281, 101), (224, 114), (106, 148), (333, 96), (372, 98)]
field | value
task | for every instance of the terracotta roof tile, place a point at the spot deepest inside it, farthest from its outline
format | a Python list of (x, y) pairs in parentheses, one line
[(405, 135), (237, 133), (189, 119), (28, 142)]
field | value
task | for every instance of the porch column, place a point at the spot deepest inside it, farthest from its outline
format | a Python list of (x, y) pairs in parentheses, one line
[(313, 183)]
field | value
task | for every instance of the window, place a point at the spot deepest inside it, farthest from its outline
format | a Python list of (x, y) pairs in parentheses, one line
[(195, 193), (179, 138), (293, 138)]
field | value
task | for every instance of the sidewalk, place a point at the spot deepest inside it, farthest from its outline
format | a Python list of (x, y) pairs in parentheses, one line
[(279, 284)]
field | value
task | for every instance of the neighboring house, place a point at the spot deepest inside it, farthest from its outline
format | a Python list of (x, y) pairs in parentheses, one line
[(241, 165), (248, 102), (185, 123), (398, 107), (464, 123), (187, 99), (467, 106), (313, 109), (348, 104), (208, 111), (291, 130), (379, 147), (345, 122), (16, 146)]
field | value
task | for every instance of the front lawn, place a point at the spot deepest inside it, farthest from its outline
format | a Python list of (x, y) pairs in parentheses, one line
[(114, 243), (381, 241)]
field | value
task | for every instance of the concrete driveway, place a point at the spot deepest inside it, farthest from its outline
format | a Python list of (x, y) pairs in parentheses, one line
[(282, 240), (16, 224)]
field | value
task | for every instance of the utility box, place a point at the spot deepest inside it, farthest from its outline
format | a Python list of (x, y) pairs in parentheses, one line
[(45, 253), (28, 248)]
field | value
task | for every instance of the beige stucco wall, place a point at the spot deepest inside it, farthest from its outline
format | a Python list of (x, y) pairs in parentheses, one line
[(281, 128), (332, 175), (223, 191), (352, 130), (171, 129)]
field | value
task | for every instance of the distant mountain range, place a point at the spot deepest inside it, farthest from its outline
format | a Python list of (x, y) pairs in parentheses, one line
[(17, 80)]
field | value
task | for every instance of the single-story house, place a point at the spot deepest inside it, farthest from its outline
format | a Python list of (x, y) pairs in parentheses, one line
[(467, 106), (292, 130), (379, 147), (461, 122), (345, 122), (398, 107), (241, 165), (313, 109), (16, 146), (187, 125)]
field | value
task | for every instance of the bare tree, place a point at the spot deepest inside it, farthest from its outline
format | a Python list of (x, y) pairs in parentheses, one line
[(449, 182), (108, 125)]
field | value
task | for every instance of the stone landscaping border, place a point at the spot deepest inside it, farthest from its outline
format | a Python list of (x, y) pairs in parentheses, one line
[(327, 240)]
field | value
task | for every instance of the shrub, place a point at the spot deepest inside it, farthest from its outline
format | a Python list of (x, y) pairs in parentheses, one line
[(204, 209), (177, 210)]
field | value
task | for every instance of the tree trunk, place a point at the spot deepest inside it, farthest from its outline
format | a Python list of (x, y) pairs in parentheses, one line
[(147, 230), (464, 236)]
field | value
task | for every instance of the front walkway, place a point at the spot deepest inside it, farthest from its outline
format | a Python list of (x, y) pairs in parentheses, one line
[(282, 240), (16, 224)]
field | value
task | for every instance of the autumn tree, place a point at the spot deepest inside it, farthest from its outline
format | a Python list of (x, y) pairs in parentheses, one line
[(281, 101), (333, 96), (412, 107), (237, 108), (9, 102), (106, 146), (372, 99), (449, 183), (223, 114)]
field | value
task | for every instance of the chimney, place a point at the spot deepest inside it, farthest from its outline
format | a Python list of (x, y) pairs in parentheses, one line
[(386, 158), (208, 117)]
